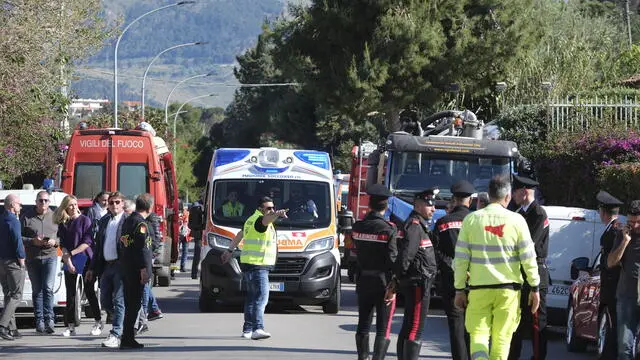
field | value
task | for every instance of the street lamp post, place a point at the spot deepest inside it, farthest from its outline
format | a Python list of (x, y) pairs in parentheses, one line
[(115, 55), (166, 104), (144, 77), (175, 119)]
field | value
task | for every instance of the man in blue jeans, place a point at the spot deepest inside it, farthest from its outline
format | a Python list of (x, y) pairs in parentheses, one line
[(258, 257), (626, 253), (40, 238), (107, 266)]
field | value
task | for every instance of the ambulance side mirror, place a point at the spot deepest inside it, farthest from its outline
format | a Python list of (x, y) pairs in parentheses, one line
[(577, 265)]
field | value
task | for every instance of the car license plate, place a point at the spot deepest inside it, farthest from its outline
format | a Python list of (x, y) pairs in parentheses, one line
[(276, 286), (562, 290)]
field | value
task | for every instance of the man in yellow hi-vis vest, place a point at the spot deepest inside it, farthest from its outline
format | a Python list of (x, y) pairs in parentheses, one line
[(493, 244), (232, 207), (257, 258)]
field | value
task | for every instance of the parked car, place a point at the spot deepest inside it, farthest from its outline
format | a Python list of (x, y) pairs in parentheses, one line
[(573, 233), (25, 309), (587, 319)]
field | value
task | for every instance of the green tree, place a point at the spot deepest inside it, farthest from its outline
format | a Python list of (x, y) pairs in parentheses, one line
[(578, 50), (39, 41), (388, 55)]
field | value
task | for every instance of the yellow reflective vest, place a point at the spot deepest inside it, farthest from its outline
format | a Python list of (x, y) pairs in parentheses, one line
[(230, 209), (492, 246), (258, 248)]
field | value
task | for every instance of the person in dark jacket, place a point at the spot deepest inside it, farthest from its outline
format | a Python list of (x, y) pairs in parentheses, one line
[(136, 256), (99, 208), (415, 270), (446, 236), (538, 223), (196, 224), (76, 239), (12, 266), (150, 309), (609, 209), (375, 241), (107, 265)]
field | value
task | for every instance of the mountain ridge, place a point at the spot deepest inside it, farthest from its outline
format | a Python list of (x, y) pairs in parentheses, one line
[(228, 26)]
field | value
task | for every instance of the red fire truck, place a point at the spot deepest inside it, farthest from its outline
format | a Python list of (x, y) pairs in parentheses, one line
[(132, 162)]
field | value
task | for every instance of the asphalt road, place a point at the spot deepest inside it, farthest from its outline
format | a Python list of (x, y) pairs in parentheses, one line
[(298, 333)]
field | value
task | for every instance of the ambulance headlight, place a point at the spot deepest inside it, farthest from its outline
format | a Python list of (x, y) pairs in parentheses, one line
[(217, 241), (321, 244)]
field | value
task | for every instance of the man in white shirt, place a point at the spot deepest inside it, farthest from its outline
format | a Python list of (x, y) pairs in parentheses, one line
[(106, 265)]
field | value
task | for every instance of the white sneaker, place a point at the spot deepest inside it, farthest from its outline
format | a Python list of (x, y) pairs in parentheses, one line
[(247, 335), (70, 331), (97, 328), (111, 342), (260, 334)]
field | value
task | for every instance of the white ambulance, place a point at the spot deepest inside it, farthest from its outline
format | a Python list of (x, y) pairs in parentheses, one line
[(307, 270)]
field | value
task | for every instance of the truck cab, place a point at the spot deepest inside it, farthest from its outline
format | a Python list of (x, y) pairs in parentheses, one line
[(133, 162), (307, 269)]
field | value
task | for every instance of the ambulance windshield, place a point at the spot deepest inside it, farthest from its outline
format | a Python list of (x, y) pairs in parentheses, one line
[(309, 202), (414, 171)]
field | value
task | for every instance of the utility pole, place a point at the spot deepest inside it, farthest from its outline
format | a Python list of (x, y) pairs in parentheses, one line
[(64, 124)]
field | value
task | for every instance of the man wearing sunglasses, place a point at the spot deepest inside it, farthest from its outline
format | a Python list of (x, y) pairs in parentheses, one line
[(258, 257), (415, 270), (107, 266), (40, 237)]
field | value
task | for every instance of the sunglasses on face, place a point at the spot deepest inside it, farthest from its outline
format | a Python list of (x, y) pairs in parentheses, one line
[(114, 202), (44, 201)]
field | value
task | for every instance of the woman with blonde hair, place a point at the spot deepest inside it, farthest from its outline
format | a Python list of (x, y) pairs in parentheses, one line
[(75, 234)]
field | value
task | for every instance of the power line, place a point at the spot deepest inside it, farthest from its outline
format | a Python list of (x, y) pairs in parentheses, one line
[(165, 81)]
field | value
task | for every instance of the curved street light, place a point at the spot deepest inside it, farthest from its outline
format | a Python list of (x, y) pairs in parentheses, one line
[(115, 55), (166, 104), (144, 77), (175, 118)]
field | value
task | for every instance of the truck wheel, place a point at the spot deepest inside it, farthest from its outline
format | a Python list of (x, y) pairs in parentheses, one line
[(574, 343), (333, 305), (164, 278), (206, 303)]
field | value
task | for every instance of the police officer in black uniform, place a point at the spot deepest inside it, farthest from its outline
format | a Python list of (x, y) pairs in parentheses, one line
[(538, 222), (136, 256), (446, 235), (609, 209), (375, 241), (415, 269)]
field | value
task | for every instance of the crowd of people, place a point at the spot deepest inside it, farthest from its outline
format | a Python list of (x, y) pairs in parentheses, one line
[(493, 274), (113, 245)]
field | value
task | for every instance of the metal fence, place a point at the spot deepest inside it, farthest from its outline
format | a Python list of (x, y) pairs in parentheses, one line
[(575, 113)]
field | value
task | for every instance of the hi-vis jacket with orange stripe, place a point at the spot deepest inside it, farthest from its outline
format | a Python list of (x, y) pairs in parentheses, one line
[(416, 256), (492, 246)]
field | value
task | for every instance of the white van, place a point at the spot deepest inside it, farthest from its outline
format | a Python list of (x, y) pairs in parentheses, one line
[(25, 309), (573, 232)]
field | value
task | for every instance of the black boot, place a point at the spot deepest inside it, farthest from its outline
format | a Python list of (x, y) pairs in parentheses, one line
[(380, 348), (412, 350), (362, 345)]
